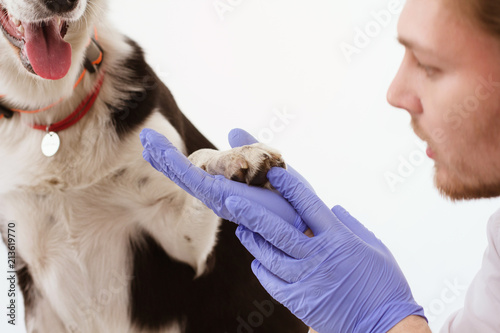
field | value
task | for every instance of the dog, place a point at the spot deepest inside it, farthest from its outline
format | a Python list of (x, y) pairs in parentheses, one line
[(103, 242)]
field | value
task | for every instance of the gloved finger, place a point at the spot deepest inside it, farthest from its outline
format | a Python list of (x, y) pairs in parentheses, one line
[(152, 157), (273, 228), (152, 139), (272, 258), (290, 295), (162, 154), (238, 137), (156, 145), (276, 287), (280, 264), (309, 206), (175, 164), (356, 227), (146, 154)]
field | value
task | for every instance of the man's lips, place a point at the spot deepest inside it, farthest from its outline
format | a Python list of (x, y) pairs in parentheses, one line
[(430, 152), (421, 134)]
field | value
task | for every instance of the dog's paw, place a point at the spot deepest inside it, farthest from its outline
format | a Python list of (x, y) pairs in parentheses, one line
[(247, 164)]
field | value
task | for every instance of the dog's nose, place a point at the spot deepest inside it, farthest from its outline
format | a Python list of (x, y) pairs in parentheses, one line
[(60, 6)]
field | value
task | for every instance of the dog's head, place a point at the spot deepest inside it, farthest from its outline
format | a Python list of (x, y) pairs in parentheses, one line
[(43, 33)]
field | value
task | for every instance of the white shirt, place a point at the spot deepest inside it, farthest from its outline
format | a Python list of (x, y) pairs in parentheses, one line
[(481, 312)]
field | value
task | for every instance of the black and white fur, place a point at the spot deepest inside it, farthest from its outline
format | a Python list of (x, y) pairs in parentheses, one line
[(104, 242)]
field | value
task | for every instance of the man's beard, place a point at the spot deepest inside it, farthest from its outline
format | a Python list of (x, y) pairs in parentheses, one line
[(456, 189), (454, 186)]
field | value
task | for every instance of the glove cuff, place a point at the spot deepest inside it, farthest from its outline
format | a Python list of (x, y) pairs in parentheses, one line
[(389, 316)]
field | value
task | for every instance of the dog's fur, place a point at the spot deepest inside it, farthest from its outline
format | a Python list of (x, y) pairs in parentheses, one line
[(104, 242)]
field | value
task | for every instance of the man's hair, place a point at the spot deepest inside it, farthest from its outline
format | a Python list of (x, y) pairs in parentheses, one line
[(486, 13)]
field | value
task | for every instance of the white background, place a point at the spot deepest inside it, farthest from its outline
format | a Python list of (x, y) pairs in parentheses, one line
[(268, 56)]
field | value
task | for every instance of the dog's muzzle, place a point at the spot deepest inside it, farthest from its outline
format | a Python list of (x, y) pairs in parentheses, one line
[(42, 48)]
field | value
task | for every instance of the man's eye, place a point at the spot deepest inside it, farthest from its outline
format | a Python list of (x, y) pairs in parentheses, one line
[(429, 71)]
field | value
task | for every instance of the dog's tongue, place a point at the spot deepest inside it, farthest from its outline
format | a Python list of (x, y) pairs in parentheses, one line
[(48, 53)]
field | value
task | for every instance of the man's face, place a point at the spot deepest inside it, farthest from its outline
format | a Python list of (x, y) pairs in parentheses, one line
[(449, 82)]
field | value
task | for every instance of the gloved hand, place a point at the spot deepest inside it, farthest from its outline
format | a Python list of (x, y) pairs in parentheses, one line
[(345, 279), (211, 190), (342, 280)]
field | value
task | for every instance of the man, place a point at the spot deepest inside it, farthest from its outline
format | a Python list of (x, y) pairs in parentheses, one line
[(344, 279)]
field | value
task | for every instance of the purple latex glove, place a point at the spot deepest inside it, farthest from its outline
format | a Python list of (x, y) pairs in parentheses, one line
[(342, 280), (211, 190)]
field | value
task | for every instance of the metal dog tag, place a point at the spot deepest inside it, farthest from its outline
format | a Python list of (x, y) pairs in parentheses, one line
[(50, 144)]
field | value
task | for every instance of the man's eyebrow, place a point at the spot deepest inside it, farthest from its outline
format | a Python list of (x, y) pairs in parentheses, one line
[(414, 46)]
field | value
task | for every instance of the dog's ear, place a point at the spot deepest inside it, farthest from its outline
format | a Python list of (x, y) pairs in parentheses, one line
[(8, 113)]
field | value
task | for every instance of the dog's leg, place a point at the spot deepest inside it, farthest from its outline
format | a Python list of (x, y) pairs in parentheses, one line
[(38, 312), (247, 164), (42, 318)]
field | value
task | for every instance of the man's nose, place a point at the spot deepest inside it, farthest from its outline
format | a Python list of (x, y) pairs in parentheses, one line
[(403, 94)]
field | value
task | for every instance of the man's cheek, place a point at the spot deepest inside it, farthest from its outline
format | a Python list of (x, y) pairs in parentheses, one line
[(452, 119), (438, 135)]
